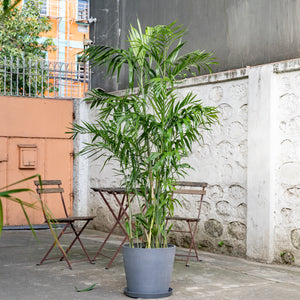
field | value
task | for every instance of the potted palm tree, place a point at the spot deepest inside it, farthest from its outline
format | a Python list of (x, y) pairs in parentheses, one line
[(148, 129)]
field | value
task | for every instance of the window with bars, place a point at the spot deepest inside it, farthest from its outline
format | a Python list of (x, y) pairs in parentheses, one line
[(83, 10), (44, 7)]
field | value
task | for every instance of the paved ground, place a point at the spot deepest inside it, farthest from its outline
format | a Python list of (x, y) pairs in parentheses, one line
[(216, 277)]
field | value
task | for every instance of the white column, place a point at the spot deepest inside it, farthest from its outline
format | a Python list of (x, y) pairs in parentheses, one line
[(262, 129), (81, 184)]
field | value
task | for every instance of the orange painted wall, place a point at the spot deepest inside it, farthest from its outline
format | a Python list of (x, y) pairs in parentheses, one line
[(71, 28), (24, 117), (53, 32), (43, 123)]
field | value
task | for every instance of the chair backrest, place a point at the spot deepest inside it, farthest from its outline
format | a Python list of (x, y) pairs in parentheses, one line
[(192, 188), (51, 187)]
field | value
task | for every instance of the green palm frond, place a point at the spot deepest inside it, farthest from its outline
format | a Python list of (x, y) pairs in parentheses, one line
[(149, 131)]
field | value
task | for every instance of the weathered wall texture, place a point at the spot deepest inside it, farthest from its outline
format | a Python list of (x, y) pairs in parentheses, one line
[(287, 168), (222, 162), (251, 161)]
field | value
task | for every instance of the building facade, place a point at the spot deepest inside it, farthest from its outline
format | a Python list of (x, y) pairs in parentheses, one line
[(62, 74), (70, 27)]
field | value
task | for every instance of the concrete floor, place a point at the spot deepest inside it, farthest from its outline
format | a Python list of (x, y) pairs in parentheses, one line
[(216, 277)]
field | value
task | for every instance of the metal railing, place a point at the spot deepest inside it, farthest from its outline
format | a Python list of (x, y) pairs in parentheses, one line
[(43, 79)]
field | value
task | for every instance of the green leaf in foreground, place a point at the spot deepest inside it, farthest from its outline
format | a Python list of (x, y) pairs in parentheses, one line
[(87, 289)]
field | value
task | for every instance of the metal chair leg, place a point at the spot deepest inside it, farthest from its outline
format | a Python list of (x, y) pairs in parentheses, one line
[(79, 240), (60, 248)]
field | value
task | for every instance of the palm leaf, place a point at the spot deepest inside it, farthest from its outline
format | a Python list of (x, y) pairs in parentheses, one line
[(148, 131), (9, 195)]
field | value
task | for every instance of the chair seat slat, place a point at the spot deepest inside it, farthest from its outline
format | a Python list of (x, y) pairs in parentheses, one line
[(71, 219)]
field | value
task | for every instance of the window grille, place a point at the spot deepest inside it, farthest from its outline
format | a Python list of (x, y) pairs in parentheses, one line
[(83, 10)]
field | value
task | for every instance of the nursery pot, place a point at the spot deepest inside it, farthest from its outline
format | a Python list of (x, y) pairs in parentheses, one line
[(148, 271)]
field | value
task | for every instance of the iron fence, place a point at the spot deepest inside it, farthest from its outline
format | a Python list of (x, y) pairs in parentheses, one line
[(43, 79)]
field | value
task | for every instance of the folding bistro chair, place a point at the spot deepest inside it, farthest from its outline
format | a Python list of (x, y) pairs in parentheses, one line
[(189, 188), (54, 187)]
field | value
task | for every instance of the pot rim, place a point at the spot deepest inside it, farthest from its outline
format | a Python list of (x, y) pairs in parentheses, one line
[(127, 246)]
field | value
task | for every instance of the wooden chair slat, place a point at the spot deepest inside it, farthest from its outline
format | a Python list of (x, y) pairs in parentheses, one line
[(191, 183), (47, 182), (183, 219), (50, 190)]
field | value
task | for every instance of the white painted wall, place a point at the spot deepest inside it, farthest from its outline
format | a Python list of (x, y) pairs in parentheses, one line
[(251, 161), (287, 164), (222, 162), (261, 152)]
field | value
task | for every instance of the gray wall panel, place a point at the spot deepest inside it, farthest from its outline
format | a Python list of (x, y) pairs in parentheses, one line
[(240, 32)]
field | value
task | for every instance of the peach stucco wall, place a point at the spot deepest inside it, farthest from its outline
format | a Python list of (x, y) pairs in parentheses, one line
[(30, 117), (40, 124)]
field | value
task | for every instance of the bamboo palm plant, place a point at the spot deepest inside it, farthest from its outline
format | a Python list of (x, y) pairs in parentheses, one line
[(148, 130)]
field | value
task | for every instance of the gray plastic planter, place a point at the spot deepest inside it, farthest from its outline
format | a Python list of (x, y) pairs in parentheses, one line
[(148, 271)]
